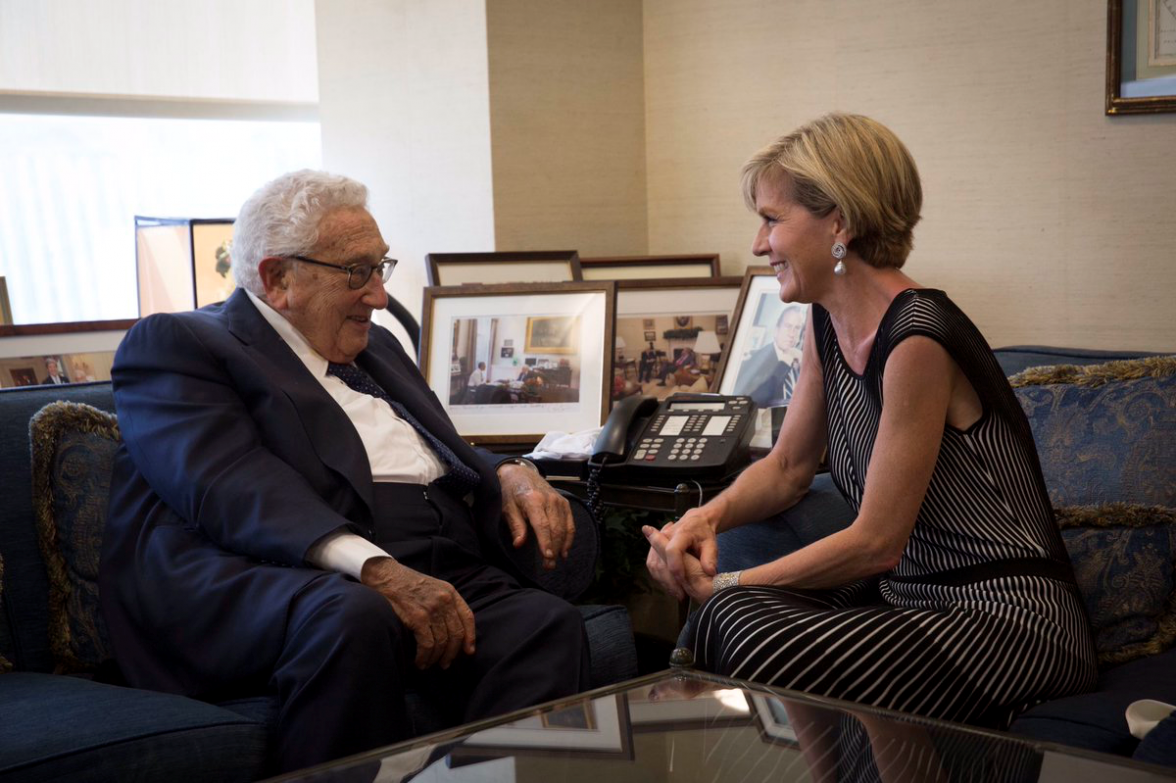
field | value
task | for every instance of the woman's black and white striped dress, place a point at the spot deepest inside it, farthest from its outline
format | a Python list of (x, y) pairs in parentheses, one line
[(981, 618)]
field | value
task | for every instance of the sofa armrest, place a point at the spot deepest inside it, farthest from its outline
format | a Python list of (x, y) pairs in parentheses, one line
[(821, 512)]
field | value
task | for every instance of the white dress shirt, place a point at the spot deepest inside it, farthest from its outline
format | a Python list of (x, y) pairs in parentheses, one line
[(395, 450)]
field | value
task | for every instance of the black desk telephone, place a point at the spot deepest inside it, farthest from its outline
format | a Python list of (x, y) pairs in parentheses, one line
[(700, 437)]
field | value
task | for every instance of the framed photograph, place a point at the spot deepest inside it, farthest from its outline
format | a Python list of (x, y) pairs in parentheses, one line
[(721, 325), (666, 337), (524, 266), (212, 276), (599, 728), (560, 378), (55, 369), (1141, 56), (22, 376), (766, 343), (772, 718), (182, 263), (650, 267)]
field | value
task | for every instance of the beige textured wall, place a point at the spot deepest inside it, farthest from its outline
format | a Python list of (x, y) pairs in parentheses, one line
[(1047, 221), (567, 123)]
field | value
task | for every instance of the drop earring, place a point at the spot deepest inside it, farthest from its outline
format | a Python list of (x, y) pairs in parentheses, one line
[(838, 252)]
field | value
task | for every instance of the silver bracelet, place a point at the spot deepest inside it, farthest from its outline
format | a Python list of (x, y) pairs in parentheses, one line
[(724, 580)]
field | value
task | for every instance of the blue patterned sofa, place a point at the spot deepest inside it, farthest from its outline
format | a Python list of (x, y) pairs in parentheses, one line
[(1105, 427), (63, 719)]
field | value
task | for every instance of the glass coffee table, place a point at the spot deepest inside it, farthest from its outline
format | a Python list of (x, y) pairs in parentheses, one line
[(680, 726)]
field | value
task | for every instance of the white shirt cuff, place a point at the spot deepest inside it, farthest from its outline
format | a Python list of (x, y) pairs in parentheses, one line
[(343, 552)]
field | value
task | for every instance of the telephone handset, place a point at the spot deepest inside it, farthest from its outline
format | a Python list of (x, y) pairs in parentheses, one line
[(702, 437)]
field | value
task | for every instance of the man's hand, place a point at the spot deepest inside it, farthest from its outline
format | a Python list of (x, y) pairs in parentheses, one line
[(697, 583), (528, 499), (432, 609)]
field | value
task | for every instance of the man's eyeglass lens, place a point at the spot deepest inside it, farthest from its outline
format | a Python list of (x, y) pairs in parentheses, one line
[(358, 274)]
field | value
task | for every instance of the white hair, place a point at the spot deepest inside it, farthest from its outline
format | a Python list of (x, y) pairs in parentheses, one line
[(282, 218)]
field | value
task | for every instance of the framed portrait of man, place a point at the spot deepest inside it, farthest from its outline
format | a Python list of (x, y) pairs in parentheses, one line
[(766, 345)]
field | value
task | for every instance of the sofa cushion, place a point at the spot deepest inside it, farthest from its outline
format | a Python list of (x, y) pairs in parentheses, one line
[(70, 729), (1123, 557), (73, 446), (26, 592), (1097, 720), (1104, 432), (5, 664)]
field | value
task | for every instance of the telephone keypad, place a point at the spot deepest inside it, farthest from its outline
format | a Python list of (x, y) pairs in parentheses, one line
[(702, 437)]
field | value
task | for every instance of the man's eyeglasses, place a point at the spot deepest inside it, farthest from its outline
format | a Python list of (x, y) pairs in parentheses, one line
[(357, 274)]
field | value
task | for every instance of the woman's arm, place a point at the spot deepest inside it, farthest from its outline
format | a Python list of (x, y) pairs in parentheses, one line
[(917, 388), (767, 487)]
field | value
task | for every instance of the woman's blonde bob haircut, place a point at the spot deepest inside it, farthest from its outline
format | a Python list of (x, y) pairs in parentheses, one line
[(850, 162)]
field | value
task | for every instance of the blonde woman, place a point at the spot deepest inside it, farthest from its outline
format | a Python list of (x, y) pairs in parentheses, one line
[(951, 594)]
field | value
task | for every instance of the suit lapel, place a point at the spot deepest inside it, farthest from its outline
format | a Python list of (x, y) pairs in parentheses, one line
[(331, 433)]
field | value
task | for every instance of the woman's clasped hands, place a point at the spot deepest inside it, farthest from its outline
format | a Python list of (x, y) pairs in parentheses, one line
[(683, 555)]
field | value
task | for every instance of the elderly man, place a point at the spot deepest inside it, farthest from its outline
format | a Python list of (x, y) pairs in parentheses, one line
[(292, 511)]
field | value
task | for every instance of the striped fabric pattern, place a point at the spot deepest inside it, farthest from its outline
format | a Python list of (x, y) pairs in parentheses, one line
[(914, 639)]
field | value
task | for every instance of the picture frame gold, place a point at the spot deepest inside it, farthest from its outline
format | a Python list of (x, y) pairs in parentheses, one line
[(556, 334), (1139, 79)]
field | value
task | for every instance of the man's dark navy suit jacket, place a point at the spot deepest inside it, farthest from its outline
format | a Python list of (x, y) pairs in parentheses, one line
[(235, 461)]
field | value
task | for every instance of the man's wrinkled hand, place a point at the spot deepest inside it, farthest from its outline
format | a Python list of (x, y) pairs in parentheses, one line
[(432, 609), (529, 501)]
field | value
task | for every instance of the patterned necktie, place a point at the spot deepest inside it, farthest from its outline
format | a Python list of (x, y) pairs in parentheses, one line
[(461, 478)]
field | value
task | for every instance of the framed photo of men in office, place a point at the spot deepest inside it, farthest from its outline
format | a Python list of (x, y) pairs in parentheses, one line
[(666, 339), (513, 362), (764, 353)]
